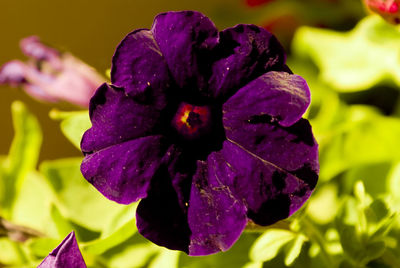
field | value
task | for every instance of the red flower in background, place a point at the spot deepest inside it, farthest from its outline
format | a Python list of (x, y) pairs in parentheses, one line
[(388, 9), (253, 3)]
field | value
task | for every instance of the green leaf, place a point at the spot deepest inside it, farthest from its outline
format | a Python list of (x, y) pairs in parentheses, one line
[(383, 227), (365, 137), (324, 204), (123, 215), (237, 256), (41, 247), (359, 192), (294, 250), (373, 176), (358, 246), (12, 253), (79, 201), (355, 60), (167, 258), (101, 245), (253, 265), (33, 203), (373, 251), (268, 245), (136, 255), (62, 225), (348, 136), (350, 242), (377, 211), (393, 185), (73, 124), (23, 154)]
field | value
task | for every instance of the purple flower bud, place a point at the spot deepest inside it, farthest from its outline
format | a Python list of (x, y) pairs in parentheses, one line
[(67, 254), (50, 75)]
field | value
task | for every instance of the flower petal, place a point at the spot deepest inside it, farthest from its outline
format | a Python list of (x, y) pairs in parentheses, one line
[(66, 254), (160, 218), (248, 51), (284, 97), (292, 148), (216, 217), (138, 65), (270, 192), (181, 168), (184, 39), (116, 118), (32, 47), (123, 172), (16, 73)]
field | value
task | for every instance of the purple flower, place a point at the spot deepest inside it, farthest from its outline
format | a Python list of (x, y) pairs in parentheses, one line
[(50, 75), (67, 254), (205, 127)]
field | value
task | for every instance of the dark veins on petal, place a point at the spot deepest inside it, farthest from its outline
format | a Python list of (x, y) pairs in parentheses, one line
[(264, 117), (216, 217), (256, 183)]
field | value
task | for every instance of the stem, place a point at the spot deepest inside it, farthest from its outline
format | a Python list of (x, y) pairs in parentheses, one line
[(315, 235), (390, 259), (17, 233), (20, 252)]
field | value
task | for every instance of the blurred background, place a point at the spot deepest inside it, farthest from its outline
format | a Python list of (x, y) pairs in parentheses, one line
[(348, 52)]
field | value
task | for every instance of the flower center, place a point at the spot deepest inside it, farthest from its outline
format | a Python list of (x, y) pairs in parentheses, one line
[(192, 121)]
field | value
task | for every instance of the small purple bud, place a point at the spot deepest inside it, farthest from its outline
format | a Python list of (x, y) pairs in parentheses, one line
[(50, 75), (67, 254)]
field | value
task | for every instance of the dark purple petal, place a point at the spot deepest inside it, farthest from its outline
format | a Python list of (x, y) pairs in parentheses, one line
[(138, 65), (159, 216), (181, 168), (66, 254), (269, 192), (282, 96), (116, 118), (292, 148), (123, 172), (216, 217), (247, 52), (184, 39)]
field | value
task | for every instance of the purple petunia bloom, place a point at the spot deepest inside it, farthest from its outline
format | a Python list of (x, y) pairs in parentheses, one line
[(205, 127), (67, 254)]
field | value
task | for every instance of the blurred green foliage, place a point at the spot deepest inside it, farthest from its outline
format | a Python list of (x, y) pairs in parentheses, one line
[(363, 57), (351, 220)]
